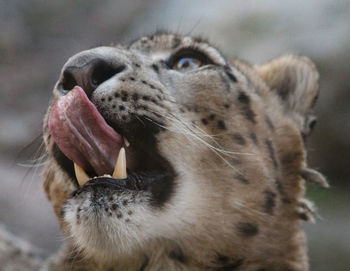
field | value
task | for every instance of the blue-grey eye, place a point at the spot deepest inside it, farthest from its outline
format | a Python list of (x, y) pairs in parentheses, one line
[(187, 64)]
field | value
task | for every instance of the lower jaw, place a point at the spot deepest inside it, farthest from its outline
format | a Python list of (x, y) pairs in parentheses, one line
[(160, 186)]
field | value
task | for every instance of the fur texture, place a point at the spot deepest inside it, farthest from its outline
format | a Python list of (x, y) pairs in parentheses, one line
[(233, 135)]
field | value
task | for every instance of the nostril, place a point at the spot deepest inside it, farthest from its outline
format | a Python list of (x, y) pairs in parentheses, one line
[(68, 82), (103, 71)]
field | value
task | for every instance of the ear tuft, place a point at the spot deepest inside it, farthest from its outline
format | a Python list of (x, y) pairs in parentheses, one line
[(295, 81)]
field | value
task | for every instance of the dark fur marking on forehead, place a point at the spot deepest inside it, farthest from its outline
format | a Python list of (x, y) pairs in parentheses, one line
[(231, 76), (247, 229), (227, 264), (269, 201), (244, 99), (271, 152), (225, 81)]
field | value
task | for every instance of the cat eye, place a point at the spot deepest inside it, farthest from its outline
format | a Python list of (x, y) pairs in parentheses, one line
[(188, 59), (187, 63)]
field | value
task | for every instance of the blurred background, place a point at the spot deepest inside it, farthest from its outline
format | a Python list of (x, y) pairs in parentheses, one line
[(38, 36)]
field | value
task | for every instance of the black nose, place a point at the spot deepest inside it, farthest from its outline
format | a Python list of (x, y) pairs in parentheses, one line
[(88, 76)]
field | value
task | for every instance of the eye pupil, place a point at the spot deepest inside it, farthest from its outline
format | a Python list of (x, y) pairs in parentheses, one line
[(187, 63)]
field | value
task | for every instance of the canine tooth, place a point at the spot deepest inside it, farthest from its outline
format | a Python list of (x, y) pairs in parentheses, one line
[(126, 142), (120, 166), (81, 175)]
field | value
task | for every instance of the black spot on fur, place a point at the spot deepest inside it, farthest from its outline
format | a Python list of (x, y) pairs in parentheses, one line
[(247, 111), (254, 138), (247, 229), (221, 125), (286, 201), (232, 77), (204, 121), (269, 201), (119, 215), (271, 152), (129, 212), (137, 65), (177, 255), (227, 264), (116, 95), (114, 206), (144, 265), (226, 106), (121, 107), (135, 96), (243, 98), (238, 138), (145, 98), (125, 202), (279, 187), (132, 78), (241, 178), (211, 116), (155, 68), (269, 123), (124, 98), (291, 157)]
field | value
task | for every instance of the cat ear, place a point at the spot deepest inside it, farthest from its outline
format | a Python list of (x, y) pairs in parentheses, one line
[(295, 81)]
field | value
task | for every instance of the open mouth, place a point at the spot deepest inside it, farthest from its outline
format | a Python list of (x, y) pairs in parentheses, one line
[(102, 156)]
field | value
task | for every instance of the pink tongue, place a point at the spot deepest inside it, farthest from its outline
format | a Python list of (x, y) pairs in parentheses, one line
[(82, 134)]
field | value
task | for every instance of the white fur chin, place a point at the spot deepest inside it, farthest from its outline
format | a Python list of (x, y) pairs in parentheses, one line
[(99, 234)]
